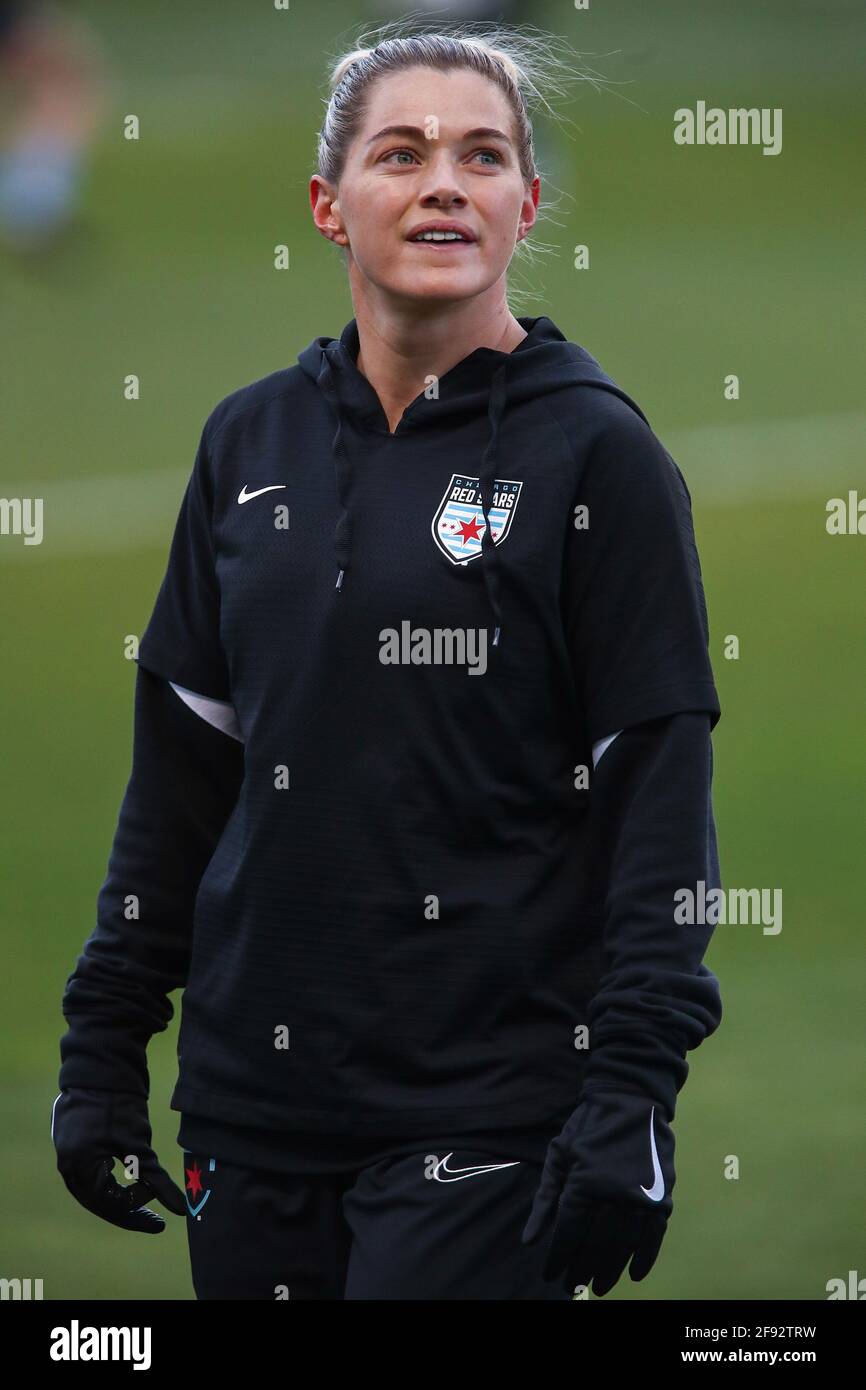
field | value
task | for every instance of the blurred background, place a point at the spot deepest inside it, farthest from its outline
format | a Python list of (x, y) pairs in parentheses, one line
[(155, 256)]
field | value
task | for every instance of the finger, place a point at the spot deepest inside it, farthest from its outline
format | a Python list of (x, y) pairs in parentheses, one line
[(539, 1218), (163, 1187), (623, 1232), (124, 1204), (574, 1223), (543, 1212), (94, 1185), (145, 1220), (545, 1202), (577, 1265), (84, 1180), (648, 1246), (586, 1259)]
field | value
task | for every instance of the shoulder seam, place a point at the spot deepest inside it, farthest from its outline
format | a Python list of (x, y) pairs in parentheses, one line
[(631, 413), (253, 405)]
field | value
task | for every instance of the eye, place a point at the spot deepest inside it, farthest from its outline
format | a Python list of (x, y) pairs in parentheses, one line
[(496, 155)]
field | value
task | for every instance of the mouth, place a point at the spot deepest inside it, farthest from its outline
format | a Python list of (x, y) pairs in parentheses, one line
[(439, 235), (457, 244)]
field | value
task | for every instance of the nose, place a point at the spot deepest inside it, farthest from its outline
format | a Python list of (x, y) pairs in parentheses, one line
[(442, 180)]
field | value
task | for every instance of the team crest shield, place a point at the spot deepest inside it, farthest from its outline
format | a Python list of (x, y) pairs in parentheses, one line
[(458, 526), (194, 1189)]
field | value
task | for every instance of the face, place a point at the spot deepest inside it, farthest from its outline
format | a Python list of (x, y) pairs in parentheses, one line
[(438, 171)]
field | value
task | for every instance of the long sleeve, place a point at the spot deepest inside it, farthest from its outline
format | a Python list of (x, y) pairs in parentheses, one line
[(653, 835), (185, 779)]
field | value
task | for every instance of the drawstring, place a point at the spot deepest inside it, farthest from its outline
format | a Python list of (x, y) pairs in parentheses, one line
[(487, 478), (342, 537)]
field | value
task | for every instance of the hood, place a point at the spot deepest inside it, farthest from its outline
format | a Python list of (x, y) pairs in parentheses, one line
[(486, 382)]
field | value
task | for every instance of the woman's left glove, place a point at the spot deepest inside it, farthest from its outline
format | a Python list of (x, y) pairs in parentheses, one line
[(605, 1191)]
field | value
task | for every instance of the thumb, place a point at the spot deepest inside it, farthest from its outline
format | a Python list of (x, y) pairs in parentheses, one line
[(164, 1189), (543, 1210), (546, 1203)]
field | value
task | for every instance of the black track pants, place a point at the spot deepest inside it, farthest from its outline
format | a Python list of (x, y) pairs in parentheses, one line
[(414, 1226)]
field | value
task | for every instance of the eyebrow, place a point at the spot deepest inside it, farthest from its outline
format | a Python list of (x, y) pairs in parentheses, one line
[(481, 132)]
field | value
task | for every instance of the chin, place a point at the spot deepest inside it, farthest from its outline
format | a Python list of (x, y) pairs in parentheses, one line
[(430, 288)]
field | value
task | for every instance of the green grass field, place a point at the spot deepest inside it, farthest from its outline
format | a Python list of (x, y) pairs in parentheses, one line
[(704, 262)]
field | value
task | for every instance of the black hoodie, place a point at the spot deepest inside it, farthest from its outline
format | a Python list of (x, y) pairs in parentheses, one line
[(401, 927)]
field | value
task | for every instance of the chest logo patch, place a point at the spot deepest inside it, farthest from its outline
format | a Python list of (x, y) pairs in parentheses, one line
[(458, 525)]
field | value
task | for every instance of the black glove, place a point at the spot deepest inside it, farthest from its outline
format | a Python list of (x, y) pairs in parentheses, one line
[(605, 1191), (92, 1128)]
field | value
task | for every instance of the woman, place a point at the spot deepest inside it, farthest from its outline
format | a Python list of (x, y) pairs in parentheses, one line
[(422, 754)]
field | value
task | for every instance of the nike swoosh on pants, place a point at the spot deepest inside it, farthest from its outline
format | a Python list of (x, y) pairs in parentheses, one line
[(457, 1174)]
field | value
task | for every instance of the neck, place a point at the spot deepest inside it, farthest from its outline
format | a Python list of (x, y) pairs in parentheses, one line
[(399, 358)]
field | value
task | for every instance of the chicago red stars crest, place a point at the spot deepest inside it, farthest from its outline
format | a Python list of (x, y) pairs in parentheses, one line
[(194, 1188), (458, 526)]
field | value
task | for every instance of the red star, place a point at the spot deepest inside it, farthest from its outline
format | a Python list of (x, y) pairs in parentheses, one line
[(470, 529), (194, 1180)]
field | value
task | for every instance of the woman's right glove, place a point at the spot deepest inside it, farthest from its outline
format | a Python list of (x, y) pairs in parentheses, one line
[(186, 777), (90, 1129)]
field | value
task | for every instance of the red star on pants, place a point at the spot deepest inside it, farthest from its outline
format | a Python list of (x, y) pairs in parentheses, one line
[(470, 530), (194, 1180)]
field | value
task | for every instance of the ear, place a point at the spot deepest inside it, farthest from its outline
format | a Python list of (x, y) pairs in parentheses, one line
[(326, 210), (529, 208)]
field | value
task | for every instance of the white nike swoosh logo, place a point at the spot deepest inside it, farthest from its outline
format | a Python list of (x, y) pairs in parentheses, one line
[(457, 1174), (53, 1108), (657, 1191), (244, 496)]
